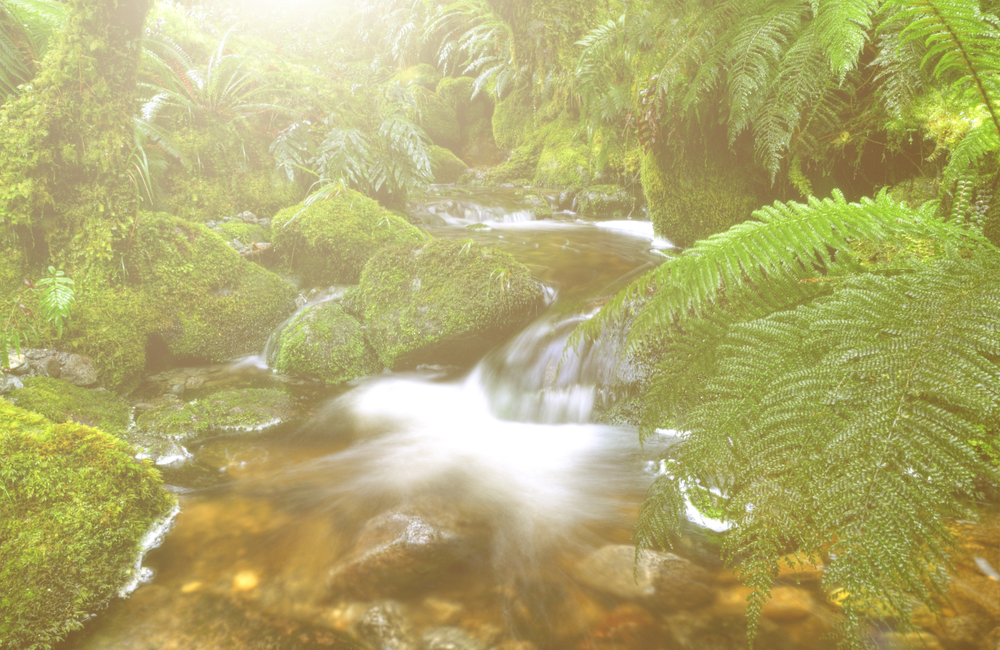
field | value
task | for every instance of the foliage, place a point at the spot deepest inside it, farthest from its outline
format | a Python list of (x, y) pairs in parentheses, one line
[(60, 401), (26, 27), (810, 338), (74, 511), (55, 297)]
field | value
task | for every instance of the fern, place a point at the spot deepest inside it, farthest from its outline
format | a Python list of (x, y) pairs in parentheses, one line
[(843, 27), (26, 27), (806, 340)]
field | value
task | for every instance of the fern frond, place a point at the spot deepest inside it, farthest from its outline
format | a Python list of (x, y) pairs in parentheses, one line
[(843, 26), (979, 141)]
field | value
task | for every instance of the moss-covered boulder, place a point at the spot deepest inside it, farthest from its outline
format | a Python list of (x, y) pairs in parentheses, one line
[(446, 166), (75, 508), (211, 304), (443, 302), (564, 159), (238, 410), (422, 74), (244, 233), (60, 401), (439, 120), (329, 241), (607, 201), (513, 118), (692, 196), (324, 342)]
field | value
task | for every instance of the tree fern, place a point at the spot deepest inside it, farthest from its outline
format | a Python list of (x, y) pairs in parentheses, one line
[(26, 26)]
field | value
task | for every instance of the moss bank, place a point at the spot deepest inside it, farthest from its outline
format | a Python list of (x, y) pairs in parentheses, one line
[(233, 411), (443, 302), (61, 401), (74, 510), (329, 241), (326, 343)]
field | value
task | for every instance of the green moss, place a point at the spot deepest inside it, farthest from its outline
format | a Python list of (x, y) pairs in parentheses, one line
[(447, 167), (915, 191), (564, 160), (244, 233), (324, 342), (692, 197), (74, 508), (233, 411), (607, 200), (513, 119), (211, 304), (439, 120), (330, 241), (203, 195), (60, 401), (456, 92), (422, 74), (443, 302)]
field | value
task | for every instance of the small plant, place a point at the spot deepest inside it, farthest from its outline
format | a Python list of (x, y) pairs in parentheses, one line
[(56, 296)]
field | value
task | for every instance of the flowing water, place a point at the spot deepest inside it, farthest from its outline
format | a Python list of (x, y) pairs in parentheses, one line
[(500, 465)]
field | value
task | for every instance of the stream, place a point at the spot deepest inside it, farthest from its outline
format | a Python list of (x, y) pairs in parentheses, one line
[(504, 506)]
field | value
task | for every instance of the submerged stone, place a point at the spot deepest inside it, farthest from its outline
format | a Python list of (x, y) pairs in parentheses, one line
[(443, 302), (386, 627), (661, 581), (323, 341), (396, 554), (60, 401), (74, 511), (330, 241)]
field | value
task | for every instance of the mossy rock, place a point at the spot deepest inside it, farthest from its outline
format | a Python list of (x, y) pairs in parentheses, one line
[(239, 410), (564, 159), (244, 233), (439, 120), (692, 197), (456, 92), (513, 119), (443, 302), (324, 342), (212, 304), (75, 508), (422, 74), (607, 200), (60, 401), (330, 241), (447, 167)]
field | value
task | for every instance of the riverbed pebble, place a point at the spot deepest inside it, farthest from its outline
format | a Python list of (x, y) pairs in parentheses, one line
[(386, 627)]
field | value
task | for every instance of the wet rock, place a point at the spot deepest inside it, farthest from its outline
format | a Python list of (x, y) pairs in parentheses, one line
[(397, 553), (800, 567), (787, 603), (229, 411), (324, 342), (193, 383), (992, 640), (77, 370), (444, 612), (607, 201), (511, 644), (9, 383), (702, 630), (552, 614), (962, 632), (445, 302), (664, 581), (450, 638), (386, 627), (905, 641), (16, 361), (627, 627)]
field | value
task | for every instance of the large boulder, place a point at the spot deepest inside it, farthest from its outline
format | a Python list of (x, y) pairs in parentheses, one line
[(325, 342), (446, 166), (209, 303), (75, 509), (330, 241), (442, 302), (60, 401)]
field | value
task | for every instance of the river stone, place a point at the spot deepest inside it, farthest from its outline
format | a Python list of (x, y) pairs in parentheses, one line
[(450, 638), (232, 411), (323, 341), (9, 383), (663, 581), (397, 553), (386, 627), (445, 302), (77, 370), (788, 603)]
